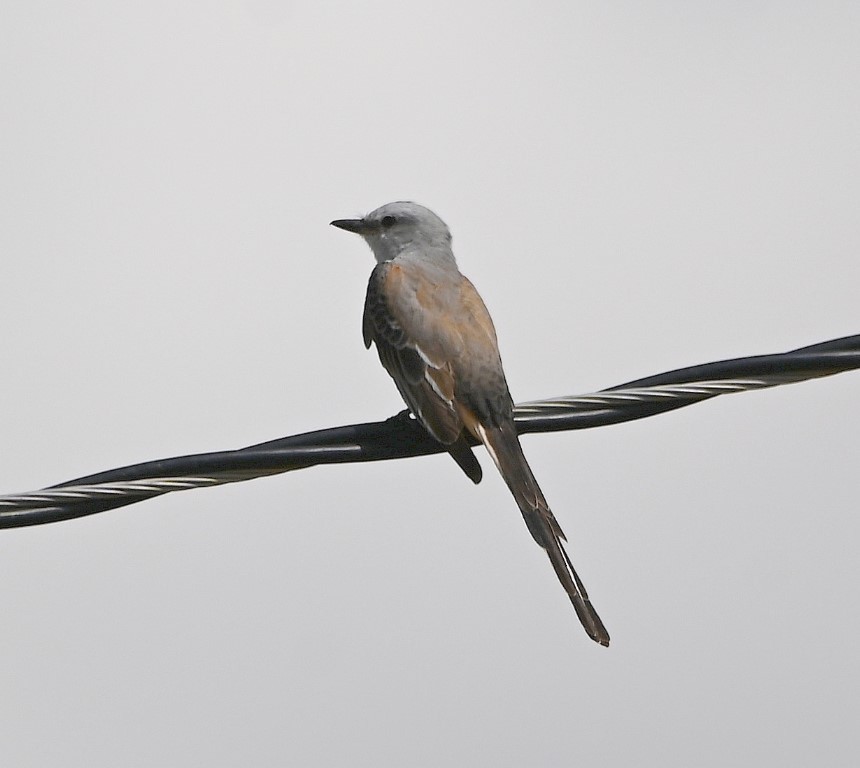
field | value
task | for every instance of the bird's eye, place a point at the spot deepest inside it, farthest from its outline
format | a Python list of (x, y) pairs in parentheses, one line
[(387, 221)]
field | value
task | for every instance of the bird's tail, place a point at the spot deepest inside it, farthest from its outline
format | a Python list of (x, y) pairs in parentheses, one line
[(503, 445)]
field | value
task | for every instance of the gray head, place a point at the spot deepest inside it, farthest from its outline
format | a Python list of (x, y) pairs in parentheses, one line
[(397, 228)]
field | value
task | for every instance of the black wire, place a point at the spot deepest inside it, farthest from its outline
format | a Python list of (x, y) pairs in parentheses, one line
[(402, 437)]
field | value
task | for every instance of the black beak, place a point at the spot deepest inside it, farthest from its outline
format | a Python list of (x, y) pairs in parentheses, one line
[(350, 225)]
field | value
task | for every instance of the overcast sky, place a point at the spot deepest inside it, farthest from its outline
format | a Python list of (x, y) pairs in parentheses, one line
[(633, 187)]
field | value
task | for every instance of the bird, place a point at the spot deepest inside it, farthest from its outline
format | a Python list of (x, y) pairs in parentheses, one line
[(436, 339)]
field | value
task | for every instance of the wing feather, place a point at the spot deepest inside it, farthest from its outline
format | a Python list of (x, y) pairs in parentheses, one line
[(420, 369)]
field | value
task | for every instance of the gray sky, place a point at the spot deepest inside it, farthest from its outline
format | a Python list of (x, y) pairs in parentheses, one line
[(633, 187)]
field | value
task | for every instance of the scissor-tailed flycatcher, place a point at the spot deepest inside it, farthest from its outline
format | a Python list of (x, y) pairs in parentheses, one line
[(436, 339)]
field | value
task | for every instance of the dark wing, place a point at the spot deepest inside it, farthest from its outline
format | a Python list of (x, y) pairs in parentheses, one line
[(417, 358)]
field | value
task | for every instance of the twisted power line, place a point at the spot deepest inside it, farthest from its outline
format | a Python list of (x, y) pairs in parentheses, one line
[(401, 436)]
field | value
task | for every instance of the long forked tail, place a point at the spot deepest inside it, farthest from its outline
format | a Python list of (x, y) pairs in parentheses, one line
[(503, 445)]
